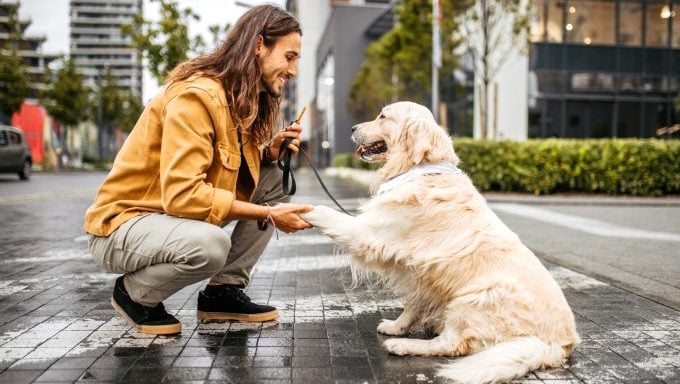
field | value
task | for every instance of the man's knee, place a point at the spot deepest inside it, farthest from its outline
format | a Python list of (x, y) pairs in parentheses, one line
[(208, 250)]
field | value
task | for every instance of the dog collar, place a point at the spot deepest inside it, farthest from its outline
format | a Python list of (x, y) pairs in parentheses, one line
[(442, 167)]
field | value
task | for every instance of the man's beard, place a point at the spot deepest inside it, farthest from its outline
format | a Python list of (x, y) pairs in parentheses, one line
[(271, 92)]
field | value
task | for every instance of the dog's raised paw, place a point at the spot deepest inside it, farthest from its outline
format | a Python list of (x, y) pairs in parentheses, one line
[(397, 346), (390, 327)]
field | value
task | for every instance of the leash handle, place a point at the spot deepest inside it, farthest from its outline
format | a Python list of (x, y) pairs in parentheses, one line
[(283, 162)]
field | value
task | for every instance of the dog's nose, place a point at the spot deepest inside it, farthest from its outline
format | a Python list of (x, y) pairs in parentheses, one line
[(354, 128)]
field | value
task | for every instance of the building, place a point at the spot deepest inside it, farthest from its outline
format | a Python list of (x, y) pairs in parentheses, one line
[(27, 46), (603, 68), (97, 43), (336, 33), (301, 91)]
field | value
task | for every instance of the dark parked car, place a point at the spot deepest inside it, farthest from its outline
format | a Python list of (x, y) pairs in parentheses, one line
[(15, 156)]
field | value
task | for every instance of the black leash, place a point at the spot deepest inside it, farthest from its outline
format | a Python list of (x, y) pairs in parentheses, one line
[(289, 186)]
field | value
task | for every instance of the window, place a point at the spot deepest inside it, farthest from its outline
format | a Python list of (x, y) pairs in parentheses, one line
[(3, 139), (592, 82), (554, 25), (675, 19), (538, 20), (658, 16), (591, 22), (549, 81), (629, 119), (14, 138), (630, 23)]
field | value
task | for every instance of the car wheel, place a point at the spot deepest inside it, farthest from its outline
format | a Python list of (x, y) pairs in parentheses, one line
[(25, 172)]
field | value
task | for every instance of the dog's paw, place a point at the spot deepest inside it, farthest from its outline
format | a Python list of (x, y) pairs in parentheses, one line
[(397, 346), (317, 216), (391, 327)]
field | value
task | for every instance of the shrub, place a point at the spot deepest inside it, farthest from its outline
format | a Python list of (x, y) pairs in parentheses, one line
[(614, 166)]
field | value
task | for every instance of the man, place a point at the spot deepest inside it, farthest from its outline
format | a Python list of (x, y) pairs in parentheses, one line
[(200, 155)]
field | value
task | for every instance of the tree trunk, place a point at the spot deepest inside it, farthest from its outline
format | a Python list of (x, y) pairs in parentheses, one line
[(483, 121)]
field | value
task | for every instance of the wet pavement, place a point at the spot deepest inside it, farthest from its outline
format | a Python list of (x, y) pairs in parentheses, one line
[(56, 323)]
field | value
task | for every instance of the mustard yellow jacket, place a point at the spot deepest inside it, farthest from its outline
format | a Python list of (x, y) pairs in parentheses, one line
[(181, 158)]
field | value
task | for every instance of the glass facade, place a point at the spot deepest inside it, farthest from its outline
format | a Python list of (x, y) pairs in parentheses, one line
[(604, 68)]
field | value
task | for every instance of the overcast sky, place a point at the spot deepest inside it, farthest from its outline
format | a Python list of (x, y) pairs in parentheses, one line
[(51, 19)]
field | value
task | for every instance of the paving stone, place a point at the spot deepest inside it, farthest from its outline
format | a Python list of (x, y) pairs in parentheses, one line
[(56, 323)]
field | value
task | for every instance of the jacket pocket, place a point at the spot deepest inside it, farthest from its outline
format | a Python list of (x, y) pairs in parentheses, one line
[(230, 159)]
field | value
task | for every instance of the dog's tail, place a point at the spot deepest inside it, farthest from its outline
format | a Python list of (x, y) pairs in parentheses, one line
[(504, 361)]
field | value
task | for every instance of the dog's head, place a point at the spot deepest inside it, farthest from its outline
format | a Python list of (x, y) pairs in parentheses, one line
[(403, 135)]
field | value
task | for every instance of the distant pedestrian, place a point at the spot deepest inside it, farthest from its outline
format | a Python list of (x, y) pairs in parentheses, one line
[(199, 156)]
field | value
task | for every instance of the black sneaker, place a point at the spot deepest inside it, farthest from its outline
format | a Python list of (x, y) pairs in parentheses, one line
[(229, 302), (152, 320)]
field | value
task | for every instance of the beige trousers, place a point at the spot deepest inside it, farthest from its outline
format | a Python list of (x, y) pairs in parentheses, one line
[(161, 254)]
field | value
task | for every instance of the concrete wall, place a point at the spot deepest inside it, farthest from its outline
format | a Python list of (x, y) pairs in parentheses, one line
[(511, 110), (312, 16), (344, 38)]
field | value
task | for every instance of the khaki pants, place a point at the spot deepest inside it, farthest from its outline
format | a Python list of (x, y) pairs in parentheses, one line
[(161, 254)]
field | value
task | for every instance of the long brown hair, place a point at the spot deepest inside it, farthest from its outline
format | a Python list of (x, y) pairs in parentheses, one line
[(235, 64)]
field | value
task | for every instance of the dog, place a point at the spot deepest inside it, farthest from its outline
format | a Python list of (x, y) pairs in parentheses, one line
[(430, 236)]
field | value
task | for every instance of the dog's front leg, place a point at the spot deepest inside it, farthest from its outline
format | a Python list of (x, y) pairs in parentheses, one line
[(338, 226), (446, 344), (401, 325)]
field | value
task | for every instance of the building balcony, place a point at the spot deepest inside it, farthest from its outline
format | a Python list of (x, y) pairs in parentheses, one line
[(99, 71), (105, 10), (100, 20), (103, 63), (82, 3), (76, 29), (104, 51)]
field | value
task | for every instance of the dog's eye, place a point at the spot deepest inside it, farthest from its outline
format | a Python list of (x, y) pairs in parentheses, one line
[(381, 116)]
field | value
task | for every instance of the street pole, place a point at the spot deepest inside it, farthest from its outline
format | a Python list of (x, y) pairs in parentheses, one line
[(100, 116), (436, 59)]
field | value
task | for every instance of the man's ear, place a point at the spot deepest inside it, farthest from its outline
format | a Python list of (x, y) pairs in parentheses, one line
[(259, 44)]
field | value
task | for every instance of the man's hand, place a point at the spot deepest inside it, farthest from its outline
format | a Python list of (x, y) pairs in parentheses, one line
[(287, 217), (292, 131)]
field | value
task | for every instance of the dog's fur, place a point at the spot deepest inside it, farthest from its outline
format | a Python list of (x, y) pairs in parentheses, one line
[(462, 273)]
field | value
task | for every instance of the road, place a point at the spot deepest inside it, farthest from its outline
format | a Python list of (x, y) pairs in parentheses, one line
[(56, 323), (634, 245)]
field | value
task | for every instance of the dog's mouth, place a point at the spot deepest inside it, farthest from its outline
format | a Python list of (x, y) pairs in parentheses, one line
[(370, 152)]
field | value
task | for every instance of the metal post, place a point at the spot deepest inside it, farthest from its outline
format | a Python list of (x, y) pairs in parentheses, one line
[(436, 59)]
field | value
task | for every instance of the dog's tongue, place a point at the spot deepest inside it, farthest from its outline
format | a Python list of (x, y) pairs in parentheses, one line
[(360, 151)]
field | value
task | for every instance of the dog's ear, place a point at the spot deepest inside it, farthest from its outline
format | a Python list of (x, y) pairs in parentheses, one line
[(422, 140)]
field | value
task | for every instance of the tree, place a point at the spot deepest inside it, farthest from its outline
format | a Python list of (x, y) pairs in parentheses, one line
[(132, 108), (165, 43), (14, 81), (115, 108), (219, 33), (398, 65), (492, 31), (68, 99)]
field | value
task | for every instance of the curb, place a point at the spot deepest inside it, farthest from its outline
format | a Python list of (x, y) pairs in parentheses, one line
[(365, 177)]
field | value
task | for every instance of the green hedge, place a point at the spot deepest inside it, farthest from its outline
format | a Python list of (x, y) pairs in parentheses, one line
[(614, 166)]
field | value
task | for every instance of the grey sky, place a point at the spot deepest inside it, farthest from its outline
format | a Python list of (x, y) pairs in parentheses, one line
[(50, 18)]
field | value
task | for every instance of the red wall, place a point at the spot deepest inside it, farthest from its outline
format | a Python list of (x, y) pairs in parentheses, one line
[(31, 120)]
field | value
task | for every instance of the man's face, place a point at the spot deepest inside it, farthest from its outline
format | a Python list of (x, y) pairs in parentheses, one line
[(279, 63)]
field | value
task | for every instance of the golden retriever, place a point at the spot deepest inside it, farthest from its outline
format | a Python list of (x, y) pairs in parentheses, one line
[(430, 235)]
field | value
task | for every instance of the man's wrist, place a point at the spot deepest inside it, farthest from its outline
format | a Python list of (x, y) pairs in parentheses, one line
[(266, 153)]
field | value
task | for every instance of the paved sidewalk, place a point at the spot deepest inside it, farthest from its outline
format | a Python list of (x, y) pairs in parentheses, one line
[(56, 324)]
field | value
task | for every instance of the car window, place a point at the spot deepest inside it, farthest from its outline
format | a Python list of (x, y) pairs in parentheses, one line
[(14, 138), (3, 139)]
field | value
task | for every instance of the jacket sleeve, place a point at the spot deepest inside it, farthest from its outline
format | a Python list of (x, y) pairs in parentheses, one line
[(186, 155)]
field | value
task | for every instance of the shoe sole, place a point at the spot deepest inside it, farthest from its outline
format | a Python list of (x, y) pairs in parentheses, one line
[(256, 318), (170, 329)]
